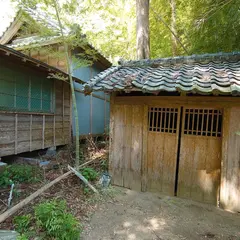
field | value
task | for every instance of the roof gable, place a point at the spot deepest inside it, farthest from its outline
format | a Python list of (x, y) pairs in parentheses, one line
[(205, 74)]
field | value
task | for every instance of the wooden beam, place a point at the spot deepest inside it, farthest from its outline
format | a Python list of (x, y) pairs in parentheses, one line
[(93, 94), (179, 100)]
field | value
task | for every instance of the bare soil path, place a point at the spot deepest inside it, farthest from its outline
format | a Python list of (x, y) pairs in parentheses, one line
[(132, 215)]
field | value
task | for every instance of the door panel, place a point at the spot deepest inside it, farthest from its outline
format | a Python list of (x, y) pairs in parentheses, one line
[(163, 127), (200, 155)]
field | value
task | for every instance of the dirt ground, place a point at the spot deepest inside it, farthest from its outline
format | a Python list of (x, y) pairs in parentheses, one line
[(132, 215)]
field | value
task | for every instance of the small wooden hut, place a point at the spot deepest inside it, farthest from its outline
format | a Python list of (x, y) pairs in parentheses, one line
[(35, 110), (174, 126), (17, 33)]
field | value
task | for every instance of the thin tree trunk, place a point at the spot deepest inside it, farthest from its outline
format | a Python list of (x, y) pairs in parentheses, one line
[(69, 68), (143, 40), (173, 27)]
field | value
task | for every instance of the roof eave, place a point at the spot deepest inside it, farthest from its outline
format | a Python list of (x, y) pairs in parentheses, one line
[(35, 62)]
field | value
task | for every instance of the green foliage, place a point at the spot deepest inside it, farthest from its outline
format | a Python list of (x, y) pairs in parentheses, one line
[(22, 237), (104, 165), (18, 174), (89, 173), (53, 218), (22, 223), (86, 190)]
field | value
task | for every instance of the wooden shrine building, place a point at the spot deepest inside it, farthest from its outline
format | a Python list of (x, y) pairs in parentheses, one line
[(35, 106), (174, 126)]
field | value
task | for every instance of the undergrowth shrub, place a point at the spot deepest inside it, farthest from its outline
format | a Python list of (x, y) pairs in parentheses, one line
[(18, 173), (89, 173), (52, 217), (22, 223)]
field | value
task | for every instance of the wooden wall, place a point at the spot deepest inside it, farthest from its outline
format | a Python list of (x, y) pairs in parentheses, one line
[(126, 145), (129, 142), (230, 174), (55, 61), (24, 132)]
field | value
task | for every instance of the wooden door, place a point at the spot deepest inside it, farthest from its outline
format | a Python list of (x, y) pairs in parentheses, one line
[(200, 154), (163, 128)]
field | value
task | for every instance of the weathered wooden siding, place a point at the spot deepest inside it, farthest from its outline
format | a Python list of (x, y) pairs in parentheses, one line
[(55, 60), (136, 153), (230, 174), (24, 132), (126, 143)]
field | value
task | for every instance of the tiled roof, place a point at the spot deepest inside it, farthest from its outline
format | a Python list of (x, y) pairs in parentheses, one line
[(30, 41), (205, 74)]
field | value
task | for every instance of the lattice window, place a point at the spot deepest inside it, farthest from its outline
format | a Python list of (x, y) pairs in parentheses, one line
[(21, 92), (162, 119), (203, 122)]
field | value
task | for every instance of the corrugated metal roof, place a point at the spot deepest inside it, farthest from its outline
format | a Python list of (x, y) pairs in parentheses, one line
[(205, 74)]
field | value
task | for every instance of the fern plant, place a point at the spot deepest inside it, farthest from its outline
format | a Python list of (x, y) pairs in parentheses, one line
[(53, 218)]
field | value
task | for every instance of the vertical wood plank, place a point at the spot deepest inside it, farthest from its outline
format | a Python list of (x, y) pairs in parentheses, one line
[(16, 134), (54, 131), (145, 148), (43, 131), (30, 133), (230, 174), (127, 146), (136, 154)]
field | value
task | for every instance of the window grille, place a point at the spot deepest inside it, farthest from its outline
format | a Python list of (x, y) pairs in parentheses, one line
[(163, 119), (203, 122), (26, 93)]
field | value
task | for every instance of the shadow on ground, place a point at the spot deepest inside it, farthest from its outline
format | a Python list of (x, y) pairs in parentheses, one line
[(136, 216)]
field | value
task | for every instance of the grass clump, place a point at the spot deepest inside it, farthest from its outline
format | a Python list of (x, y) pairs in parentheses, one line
[(18, 173), (51, 220)]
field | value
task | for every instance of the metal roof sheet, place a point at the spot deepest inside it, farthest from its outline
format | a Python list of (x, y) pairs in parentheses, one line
[(205, 74)]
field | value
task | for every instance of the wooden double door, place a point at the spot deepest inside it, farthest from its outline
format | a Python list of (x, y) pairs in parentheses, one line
[(184, 152)]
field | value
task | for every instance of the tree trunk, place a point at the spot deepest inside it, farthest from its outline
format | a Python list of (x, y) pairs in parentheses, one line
[(74, 102), (173, 27), (143, 40)]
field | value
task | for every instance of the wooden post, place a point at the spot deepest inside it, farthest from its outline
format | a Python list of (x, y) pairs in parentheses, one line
[(144, 148), (16, 133), (43, 131), (30, 133)]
